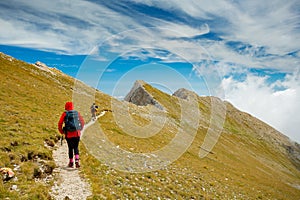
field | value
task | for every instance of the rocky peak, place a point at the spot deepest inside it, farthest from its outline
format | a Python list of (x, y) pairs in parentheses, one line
[(140, 96), (183, 93)]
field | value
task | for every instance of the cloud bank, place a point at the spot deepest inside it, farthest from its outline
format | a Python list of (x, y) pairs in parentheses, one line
[(278, 108), (254, 33)]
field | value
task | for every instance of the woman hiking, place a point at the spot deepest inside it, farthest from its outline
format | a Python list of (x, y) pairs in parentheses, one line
[(70, 124)]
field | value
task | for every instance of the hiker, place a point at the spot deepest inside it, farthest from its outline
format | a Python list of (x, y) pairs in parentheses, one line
[(73, 124), (94, 108)]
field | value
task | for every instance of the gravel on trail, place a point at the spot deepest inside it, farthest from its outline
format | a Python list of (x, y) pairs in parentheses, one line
[(69, 184)]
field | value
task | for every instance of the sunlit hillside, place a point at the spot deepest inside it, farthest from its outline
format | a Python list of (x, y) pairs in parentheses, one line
[(250, 159), (31, 99)]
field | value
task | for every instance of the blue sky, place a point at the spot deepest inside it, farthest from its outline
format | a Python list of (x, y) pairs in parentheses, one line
[(246, 52)]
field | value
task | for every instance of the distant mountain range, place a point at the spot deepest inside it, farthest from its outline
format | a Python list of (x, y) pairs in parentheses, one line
[(151, 145)]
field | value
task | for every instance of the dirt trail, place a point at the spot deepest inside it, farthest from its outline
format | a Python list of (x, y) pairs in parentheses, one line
[(69, 185)]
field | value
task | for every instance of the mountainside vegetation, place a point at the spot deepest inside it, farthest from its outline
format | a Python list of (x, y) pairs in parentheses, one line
[(32, 98), (250, 160)]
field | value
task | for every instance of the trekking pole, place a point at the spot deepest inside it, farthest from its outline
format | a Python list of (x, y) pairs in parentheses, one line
[(61, 140)]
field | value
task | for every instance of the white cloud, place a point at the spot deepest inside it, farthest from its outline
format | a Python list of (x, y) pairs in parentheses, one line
[(110, 70), (62, 26), (167, 37), (182, 30), (271, 25), (277, 108)]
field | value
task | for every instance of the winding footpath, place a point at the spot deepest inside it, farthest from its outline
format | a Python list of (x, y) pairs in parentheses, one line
[(69, 184)]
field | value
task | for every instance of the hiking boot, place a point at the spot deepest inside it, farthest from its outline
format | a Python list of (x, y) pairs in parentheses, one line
[(71, 164), (77, 164)]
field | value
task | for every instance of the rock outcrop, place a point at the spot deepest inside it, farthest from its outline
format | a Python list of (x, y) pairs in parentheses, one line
[(139, 96), (43, 67), (184, 93)]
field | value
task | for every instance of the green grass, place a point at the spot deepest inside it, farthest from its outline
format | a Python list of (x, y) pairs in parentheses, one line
[(31, 102), (242, 165)]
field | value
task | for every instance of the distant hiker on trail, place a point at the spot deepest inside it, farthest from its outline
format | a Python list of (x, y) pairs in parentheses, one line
[(73, 124), (94, 109)]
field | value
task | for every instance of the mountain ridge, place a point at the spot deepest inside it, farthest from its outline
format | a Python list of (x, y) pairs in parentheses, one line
[(250, 160), (281, 140)]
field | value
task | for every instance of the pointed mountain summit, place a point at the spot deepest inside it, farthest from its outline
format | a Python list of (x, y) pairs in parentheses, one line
[(140, 96)]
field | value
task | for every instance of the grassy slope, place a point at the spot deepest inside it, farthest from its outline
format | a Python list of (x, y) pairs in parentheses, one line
[(242, 164), (31, 102)]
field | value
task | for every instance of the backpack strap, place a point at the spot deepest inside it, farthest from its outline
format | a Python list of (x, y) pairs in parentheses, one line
[(65, 131)]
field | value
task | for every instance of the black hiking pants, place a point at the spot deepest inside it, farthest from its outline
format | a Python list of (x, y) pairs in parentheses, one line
[(73, 146)]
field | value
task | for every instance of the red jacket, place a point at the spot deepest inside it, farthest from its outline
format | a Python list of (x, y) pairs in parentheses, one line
[(69, 106)]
